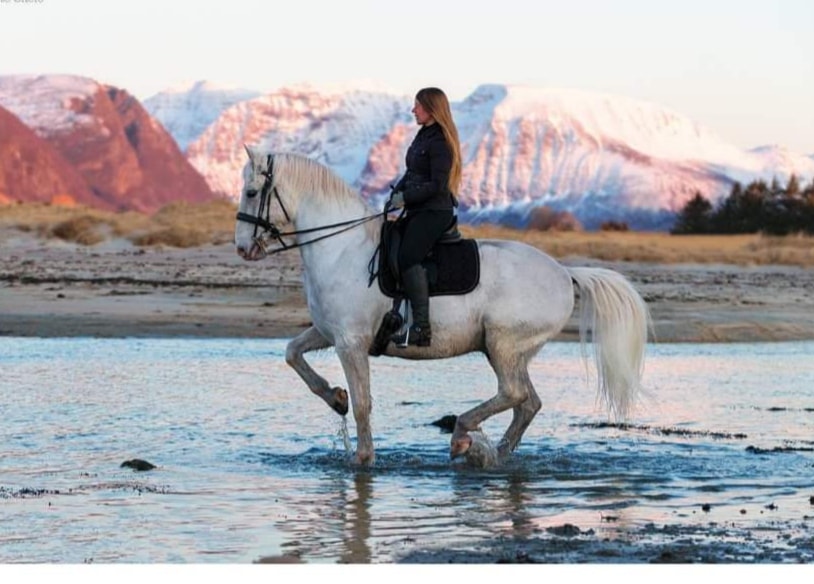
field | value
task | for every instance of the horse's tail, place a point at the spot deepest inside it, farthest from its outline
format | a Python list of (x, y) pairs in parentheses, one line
[(619, 320)]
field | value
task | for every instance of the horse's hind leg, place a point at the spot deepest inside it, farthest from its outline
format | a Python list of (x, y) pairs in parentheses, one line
[(512, 390), (311, 340), (522, 417)]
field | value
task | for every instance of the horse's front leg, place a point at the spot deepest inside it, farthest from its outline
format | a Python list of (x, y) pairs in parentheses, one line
[(311, 340), (356, 364)]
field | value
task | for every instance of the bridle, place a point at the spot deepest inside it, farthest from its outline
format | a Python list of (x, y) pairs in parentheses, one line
[(263, 217), (264, 228)]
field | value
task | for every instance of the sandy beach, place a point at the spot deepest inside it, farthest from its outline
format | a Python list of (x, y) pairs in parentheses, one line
[(53, 288)]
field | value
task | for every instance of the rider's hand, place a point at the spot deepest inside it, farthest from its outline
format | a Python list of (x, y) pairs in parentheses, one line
[(397, 200)]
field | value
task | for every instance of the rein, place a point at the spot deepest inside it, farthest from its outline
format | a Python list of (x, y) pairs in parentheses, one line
[(270, 230)]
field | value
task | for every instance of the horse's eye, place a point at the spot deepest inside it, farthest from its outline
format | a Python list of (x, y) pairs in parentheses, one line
[(252, 193)]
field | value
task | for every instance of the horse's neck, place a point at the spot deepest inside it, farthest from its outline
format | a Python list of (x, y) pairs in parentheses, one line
[(344, 251)]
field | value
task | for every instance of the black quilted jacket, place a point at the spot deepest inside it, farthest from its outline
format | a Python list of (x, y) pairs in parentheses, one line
[(429, 161)]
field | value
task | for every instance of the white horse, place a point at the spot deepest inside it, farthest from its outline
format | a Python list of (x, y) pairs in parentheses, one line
[(524, 299)]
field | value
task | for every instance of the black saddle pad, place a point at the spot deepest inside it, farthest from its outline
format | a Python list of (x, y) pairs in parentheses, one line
[(452, 268)]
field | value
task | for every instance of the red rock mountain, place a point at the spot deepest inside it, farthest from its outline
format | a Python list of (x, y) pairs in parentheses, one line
[(32, 170), (126, 159)]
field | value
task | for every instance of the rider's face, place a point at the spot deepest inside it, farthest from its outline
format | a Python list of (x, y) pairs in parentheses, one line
[(422, 117)]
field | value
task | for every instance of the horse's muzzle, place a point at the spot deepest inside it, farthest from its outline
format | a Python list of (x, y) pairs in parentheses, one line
[(254, 253)]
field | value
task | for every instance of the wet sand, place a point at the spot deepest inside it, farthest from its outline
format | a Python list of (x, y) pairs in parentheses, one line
[(50, 288)]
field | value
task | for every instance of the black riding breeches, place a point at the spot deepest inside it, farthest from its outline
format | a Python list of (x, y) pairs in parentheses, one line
[(419, 233)]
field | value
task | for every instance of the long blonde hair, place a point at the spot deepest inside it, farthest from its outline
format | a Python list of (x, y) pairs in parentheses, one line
[(435, 102)]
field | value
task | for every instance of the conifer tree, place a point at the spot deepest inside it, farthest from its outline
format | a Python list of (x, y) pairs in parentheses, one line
[(694, 217), (793, 186), (726, 217)]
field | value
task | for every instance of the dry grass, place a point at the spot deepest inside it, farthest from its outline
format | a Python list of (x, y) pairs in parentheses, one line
[(661, 248), (84, 229), (185, 225), (176, 225)]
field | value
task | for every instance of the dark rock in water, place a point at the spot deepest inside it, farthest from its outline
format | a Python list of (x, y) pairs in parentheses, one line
[(137, 464), (447, 423), (706, 507), (566, 530)]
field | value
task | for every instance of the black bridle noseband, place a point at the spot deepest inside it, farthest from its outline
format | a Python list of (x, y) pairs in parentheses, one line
[(270, 230)]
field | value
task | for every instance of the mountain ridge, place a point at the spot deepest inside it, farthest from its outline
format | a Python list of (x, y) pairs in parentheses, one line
[(125, 157), (599, 156)]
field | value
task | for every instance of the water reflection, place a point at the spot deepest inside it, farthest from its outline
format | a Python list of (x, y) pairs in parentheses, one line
[(356, 533), (332, 521)]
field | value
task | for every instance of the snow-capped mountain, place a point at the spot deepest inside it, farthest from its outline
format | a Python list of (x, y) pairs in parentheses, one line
[(602, 157), (599, 156), (111, 153), (774, 156), (187, 110), (33, 170), (337, 129), (45, 103)]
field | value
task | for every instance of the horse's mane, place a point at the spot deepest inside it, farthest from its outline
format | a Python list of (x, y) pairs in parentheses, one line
[(309, 176)]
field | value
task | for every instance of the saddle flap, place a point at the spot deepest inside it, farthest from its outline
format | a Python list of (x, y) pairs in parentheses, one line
[(452, 268)]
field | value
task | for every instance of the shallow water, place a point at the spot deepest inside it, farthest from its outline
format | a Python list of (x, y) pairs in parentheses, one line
[(252, 466)]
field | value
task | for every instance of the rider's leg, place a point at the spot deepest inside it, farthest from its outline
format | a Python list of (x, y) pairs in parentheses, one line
[(414, 280), (420, 233)]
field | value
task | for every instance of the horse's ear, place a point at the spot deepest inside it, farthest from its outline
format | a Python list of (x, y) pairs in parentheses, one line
[(250, 153)]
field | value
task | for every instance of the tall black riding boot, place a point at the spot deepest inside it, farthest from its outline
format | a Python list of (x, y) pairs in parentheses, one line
[(414, 281)]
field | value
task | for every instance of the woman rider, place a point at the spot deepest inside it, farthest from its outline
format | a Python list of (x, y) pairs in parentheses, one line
[(427, 191)]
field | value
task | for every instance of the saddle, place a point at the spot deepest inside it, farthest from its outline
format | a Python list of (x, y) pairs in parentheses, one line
[(453, 264), (453, 268)]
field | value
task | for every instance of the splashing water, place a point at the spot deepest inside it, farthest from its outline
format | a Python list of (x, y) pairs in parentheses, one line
[(343, 433), (482, 453)]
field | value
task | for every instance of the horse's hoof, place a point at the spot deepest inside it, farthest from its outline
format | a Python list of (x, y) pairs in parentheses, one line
[(340, 404), (459, 446), (363, 459)]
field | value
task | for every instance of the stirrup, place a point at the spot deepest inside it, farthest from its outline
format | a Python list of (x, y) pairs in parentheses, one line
[(391, 323), (415, 336)]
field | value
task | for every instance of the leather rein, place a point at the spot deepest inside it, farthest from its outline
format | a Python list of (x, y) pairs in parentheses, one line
[(270, 231)]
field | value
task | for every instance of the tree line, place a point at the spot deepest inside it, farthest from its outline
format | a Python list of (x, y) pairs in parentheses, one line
[(758, 208)]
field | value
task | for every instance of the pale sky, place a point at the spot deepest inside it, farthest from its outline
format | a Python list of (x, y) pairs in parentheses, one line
[(743, 68)]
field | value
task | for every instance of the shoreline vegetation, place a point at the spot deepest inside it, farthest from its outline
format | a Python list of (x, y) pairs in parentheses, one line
[(75, 271), (185, 225)]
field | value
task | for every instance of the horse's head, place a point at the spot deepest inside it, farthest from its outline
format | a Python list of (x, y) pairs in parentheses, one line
[(261, 209)]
